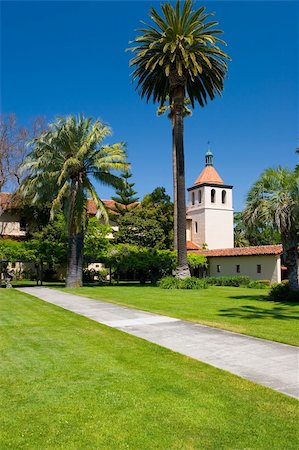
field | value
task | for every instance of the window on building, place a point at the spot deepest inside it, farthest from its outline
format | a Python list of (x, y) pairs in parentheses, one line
[(223, 196), (196, 227), (238, 268), (218, 268), (193, 198), (13, 265), (259, 268), (199, 196), (213, 195), (23, 224)]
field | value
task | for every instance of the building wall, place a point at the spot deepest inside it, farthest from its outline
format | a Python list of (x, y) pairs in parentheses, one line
[(270, 266), (10, 225)]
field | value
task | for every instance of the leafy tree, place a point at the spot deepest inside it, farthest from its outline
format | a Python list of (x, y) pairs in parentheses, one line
[(178, 56), (60, 169), (150, 225), (96, 242), (50, 243), (125, 199), (274, 199), (140, 262)]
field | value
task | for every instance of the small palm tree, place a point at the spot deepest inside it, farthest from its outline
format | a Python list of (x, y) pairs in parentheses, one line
[(61, 166), (178, 56), (274, 199)]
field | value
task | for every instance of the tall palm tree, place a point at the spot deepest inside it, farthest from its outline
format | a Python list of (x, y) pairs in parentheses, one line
[(61, 167), (178, 56), (274, 199)]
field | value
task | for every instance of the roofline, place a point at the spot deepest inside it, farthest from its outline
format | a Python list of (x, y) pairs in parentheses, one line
[(226, 186)]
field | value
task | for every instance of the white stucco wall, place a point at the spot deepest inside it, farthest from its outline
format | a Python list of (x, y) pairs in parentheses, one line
[(270, 266), (215, 221), (10, 225)]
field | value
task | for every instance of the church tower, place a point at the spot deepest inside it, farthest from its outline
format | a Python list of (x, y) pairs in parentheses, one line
[(210, 215)]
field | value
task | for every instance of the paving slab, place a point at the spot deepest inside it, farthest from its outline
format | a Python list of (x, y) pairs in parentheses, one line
[(265, 362)]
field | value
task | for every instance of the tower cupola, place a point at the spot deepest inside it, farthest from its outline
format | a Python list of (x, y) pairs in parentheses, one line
[(209, 158)]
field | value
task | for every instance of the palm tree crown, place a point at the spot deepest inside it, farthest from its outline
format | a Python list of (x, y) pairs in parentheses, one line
[(179, 47), (274, 200), (68, 156)]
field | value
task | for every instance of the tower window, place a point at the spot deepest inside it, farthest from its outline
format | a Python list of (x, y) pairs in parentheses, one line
[(223, 196), (218, 268), (213, 195), (196, 227), (238, 268), (259, 268), (193, 198), (199, 196)]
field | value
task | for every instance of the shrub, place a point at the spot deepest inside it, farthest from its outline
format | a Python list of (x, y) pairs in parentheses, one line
[(236, 281), (193, 283), (282, 293), (257, 284), (169, 283), (265, 282), (187, 283)]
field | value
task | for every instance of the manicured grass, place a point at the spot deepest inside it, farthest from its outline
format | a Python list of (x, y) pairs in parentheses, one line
[(70, 383), (241, 310)]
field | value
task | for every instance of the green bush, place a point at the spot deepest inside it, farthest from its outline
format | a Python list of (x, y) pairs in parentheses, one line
[(265, 282), (257, 284), (193, 283), (238, 280), (282, 293), (169, 283), (187, 283)]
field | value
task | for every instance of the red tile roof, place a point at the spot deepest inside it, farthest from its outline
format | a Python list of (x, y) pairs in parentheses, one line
[(192, 246), (244, 251), (92, 209), (209, 175)]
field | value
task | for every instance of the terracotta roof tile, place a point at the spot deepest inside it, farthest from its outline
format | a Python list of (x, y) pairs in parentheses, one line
[(244, 251), (209, 175), (192, 246)]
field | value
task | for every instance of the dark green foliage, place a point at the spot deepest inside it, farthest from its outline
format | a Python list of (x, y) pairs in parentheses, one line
[(236, 281), (150, 225), (125, 198), (50, 243), (187, 283), (139, 263), (91, 275), (281, 292)]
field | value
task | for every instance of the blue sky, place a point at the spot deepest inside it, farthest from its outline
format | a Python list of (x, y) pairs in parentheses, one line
[(59, 58)]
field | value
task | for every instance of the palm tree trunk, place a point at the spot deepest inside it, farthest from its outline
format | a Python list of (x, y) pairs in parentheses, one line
[(182, 270), (290, 256), (74, 276), (174, 174)]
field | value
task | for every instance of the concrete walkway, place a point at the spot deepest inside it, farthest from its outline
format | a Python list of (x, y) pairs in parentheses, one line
[(265, 362)]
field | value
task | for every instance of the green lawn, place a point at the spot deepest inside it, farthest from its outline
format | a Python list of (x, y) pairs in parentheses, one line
[(241, 310), (70, 383)]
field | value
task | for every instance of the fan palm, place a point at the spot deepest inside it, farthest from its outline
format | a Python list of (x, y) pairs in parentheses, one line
[(61, 166), (176, 57), (274, 199)]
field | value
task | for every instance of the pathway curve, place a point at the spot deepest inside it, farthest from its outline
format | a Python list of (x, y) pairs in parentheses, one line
[(265, 362)]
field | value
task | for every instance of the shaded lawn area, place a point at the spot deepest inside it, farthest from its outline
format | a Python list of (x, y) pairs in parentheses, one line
[(69, 383), (241, 310)]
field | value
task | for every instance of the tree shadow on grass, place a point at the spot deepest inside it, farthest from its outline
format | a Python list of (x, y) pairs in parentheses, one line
[(280, 311)]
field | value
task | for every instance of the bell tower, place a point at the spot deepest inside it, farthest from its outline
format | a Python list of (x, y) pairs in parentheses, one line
[(210, 214)]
